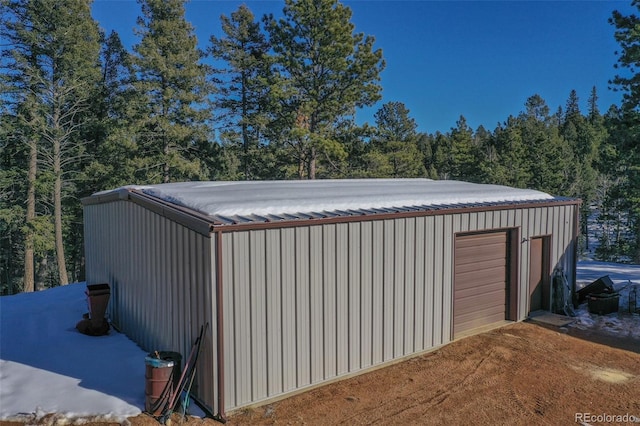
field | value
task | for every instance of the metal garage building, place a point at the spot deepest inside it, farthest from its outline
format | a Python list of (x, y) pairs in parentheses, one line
[(305, 282)]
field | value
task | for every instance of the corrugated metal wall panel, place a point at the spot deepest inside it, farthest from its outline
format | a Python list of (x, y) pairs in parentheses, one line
[(233, 296), (274, 311), (161, 279), (343, 295), (388, 289), (410, 286), (447, 288), (316, 304), (396, 264), (329, 303), (301, 305), (206, 387), (378, 282), (524, 220), (438, 281), (480, 220), (287, 260), (366, 296), (349, 297), (558, 217), (253, 270), (430, 321), (419, 288)]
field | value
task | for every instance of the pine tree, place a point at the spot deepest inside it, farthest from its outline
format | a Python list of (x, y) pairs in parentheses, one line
[(171, 130), (356, 141), (425, 146), (53, 70), (464, 153), (325, 72), (550, 156), (583, 140), (12, 211), (594, 115), (394, 148), (511, 165), (441, 156), (628, 36), (243, 86), (116, 113), (612, 202)]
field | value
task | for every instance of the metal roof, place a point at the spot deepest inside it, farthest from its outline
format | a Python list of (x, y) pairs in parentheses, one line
[(391, 198), (372, 213)]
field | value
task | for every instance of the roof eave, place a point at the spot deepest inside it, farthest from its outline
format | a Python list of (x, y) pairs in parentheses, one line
[(206, 224)]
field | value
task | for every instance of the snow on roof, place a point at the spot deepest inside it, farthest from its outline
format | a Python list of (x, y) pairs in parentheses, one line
[(246, 198)]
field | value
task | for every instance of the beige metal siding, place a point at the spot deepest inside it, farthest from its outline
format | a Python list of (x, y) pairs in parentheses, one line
[(161, 279), (326, 301), (331, 300), (305, 304)]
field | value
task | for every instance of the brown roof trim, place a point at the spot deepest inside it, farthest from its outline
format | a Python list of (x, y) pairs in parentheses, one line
[(206, 224), (191, 219), (392, 215), (107, 197)]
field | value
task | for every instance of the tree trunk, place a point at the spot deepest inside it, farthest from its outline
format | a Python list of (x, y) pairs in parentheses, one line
[(57, 213), (29, 267), (166, 169), (245, 130), (301, 167), (313, 157), (43, 274)]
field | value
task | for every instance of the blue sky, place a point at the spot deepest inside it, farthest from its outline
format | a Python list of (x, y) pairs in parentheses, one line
[(480, 59)]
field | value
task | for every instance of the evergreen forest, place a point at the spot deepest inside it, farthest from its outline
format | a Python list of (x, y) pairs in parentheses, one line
[(273, 98)]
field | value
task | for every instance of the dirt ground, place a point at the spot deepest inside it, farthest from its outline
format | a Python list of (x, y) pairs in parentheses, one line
[(521, 374)]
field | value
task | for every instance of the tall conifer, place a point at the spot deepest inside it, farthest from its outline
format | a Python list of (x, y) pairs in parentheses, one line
[(627, 34), (394, 146), (53, 69), (242, 85), (326, 72), (172, 129)]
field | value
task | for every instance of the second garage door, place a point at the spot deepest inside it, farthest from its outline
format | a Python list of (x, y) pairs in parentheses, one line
[(480, 285)]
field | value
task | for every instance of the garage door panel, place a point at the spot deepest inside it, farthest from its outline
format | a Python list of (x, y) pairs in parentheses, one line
[(471, 322), (480, 280), (481, 253), (481, 315), (474, 266), (472, 240), (475, 291), (480, 277), (482, 301)]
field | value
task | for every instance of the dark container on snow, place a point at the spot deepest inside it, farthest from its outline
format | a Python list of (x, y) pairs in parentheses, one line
[(601, 285), (603, 303), (162, 373), (97, 298)]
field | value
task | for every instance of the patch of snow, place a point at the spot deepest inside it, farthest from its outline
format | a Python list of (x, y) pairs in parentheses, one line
[(306, 196), (626, 282), (47, 366)]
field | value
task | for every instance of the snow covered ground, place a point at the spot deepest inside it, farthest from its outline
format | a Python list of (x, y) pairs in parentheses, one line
[(626, 279), (47, 366)]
